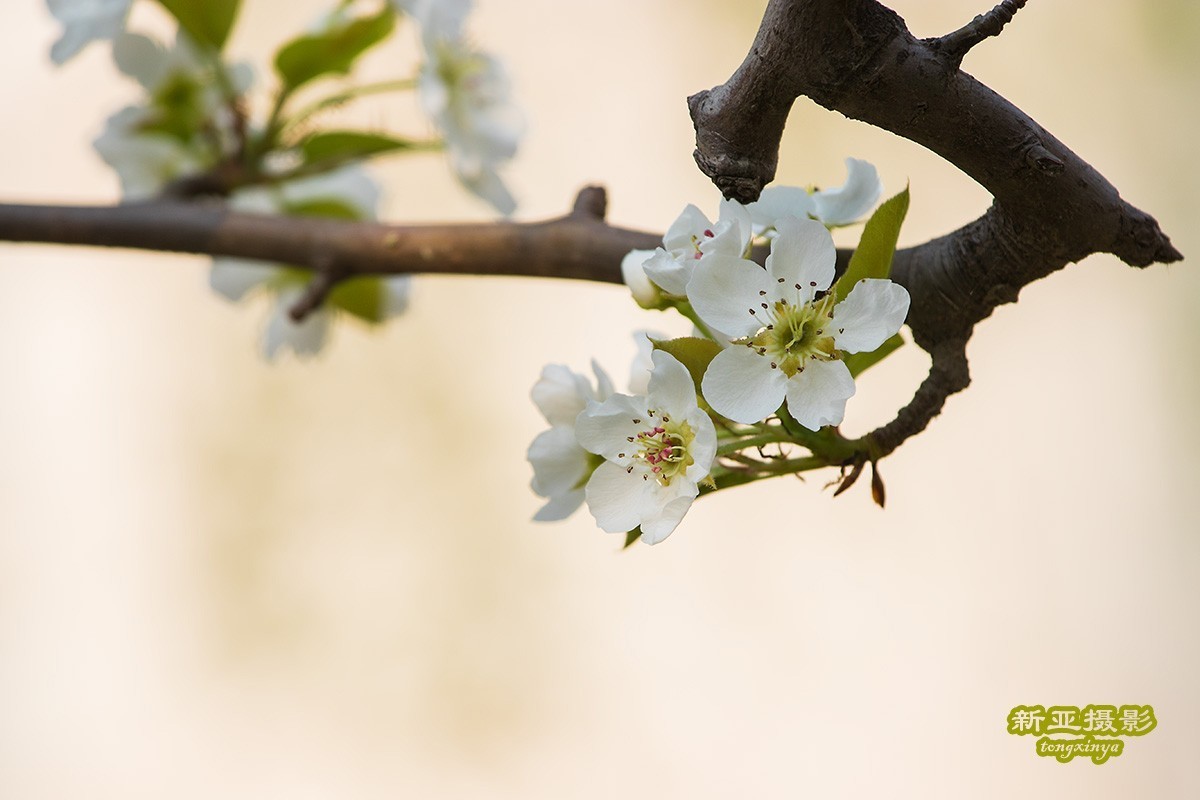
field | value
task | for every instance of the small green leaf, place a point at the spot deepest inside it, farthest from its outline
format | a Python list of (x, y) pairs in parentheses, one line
[(207, 21), (348, 146), (313, 55), (362, 297), (331, 207), (857, 363), (873, 256), (632, 536), (693, 352)]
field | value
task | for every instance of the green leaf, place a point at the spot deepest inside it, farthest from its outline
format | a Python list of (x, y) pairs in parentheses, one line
[(691, 351), (313, 55), (362, 297), (632, 536), (348, 146), (331, 207), (207, 21), (857, 363), (873, 256)]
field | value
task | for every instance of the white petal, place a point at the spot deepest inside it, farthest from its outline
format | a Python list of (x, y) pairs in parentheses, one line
[(687, 227), (703, 448), (666, 515), (639, 371), (85, 22), (619, 500), (604, 384), (817, 396), (395, 295), (560, 506), (141, 58), (724, 290), (852, 200), (606, 428), (672, 390), (560, 394), (645, 293), (668, 271), (233, 278), (872, 312), (305, 339), (777, 202), (738, 217), (559, 463), (487, 185), (741, 385), (803, 254)]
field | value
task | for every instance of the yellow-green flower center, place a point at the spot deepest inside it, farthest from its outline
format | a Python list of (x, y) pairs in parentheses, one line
[(660, 450), (792, 335)]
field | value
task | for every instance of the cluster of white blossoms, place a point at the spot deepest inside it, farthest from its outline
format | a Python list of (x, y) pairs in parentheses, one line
[(347, 193), (468, 96), (774, 337), (193, 132)]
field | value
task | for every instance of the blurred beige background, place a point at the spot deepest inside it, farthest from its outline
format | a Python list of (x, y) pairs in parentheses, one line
[(220, 578)]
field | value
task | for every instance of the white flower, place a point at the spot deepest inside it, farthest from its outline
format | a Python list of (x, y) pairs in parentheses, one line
[(560, 466), (657, 448), (468, 96), (843, 205), (85, 21), (645, 293), (692, 238), (791, 341), (151, 145), (370, 299), (144, 161)]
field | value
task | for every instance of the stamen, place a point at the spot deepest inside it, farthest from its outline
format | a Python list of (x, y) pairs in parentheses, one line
[(752, 311), (781, 281), (708, 233), (774, 365), (762, 293), (764, 305), (637, 422)]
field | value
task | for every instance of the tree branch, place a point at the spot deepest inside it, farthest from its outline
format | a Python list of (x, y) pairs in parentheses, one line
[(580, 245), (956, 45), (857, 57)]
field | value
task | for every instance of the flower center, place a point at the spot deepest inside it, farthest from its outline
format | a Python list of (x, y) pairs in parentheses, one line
[(793, 334), (661, 450)]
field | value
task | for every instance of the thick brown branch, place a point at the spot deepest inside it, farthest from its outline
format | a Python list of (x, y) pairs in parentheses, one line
[(857, 57)]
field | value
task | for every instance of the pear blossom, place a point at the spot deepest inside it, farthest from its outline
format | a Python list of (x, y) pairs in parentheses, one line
[(692, 238), (153, 144), (468, 96), (788, 337), (657, 447), (85, 21), (144, 161), (561, 466), (235, 278), (842, 205)]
